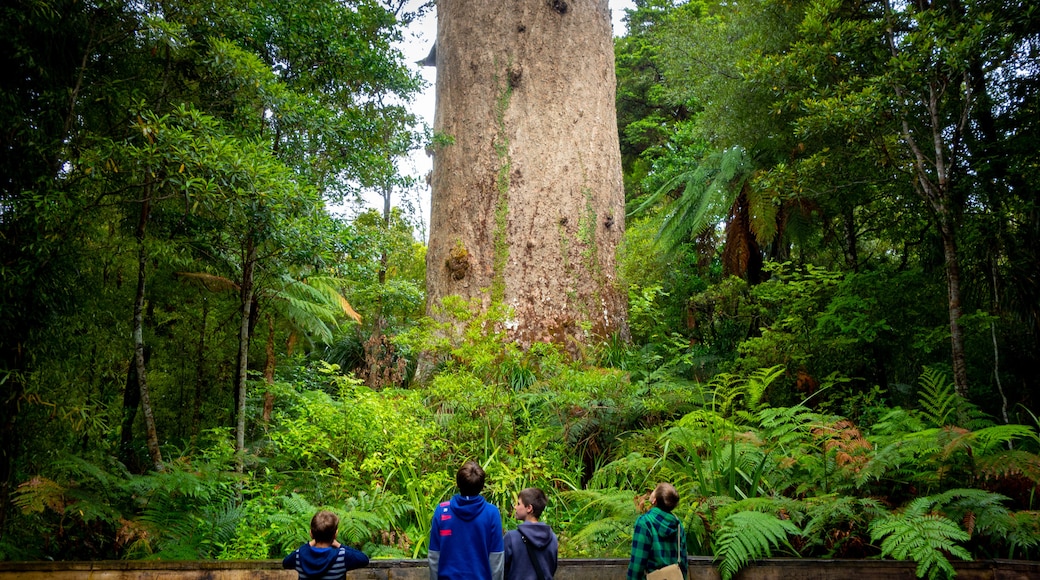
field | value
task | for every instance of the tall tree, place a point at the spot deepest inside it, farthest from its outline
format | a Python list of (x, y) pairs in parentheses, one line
[(527, 190)]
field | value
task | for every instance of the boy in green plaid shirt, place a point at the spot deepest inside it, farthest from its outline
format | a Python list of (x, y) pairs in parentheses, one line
[(658, 539)]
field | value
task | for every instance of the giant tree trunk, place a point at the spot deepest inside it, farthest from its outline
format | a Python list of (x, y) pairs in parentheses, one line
[(528, 202)]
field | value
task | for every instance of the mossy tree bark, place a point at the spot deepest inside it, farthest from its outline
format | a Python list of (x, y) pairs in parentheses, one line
[(528, 202)]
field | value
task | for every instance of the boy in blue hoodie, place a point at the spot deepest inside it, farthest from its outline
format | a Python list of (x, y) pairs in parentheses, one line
[(658, 539), (324, 558), (466, 532), (531, 549)]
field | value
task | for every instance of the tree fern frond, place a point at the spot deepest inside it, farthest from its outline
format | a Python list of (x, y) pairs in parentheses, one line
[(749, 535), (763, 207)]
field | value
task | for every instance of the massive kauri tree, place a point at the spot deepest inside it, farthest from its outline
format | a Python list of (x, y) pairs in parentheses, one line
[(528, 203)]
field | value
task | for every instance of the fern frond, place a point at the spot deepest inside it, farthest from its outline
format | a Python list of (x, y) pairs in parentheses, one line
[(989, 439), (749, 535), (763, 207), (358, 526), (834, 521), (629, 472), (1024, 533), (604, 503), (983, 509), (297, 505), (1007, 464), (38, 494), (937, 397), (924, 537), (210, 282)]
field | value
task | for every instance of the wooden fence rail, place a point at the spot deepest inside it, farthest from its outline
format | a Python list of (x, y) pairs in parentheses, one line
[(700, 569)]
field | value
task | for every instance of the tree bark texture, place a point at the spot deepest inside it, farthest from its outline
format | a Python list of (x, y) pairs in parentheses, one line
[(151, 434), (528, 201), (248, 267)]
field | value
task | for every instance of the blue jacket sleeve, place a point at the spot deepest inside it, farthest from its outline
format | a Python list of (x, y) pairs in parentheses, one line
[(354, 558), (289, 562)]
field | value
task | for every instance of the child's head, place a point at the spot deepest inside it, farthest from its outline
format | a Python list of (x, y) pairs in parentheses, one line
[(665, 497), (531, 501), (470, 478), (324, 525)]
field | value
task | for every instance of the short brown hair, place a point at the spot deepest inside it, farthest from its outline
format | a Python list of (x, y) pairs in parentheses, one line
[(324, 525), (470, 478), (667, 496), (534, 497)]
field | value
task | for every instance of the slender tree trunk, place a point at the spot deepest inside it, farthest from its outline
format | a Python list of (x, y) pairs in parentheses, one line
[(248, 268), (151, 435), (528, 202), (10, 399), (929, 122), (953, 286), (200, 375), (269, 371), (131, 401)]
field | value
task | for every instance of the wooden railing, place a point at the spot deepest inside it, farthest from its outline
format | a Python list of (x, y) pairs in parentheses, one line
[(700, 569)]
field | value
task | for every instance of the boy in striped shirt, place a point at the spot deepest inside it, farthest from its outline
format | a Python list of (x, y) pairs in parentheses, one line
[(323, 558)]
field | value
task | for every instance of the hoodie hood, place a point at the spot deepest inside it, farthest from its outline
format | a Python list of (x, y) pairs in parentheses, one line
[(467, 508), (538, 535), (317, 561), (666, 524)]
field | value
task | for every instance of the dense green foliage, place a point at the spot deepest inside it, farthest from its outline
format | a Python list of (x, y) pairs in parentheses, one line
[(830, 264)]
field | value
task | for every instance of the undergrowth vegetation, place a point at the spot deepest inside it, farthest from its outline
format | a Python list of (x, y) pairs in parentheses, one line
[(932, 482)]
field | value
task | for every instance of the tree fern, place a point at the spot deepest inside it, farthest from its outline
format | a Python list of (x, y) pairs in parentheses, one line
[(924, 537), (708, 191), (749, 535)]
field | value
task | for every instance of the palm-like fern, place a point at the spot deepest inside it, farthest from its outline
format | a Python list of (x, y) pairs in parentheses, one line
[(749, 535), (920, 535)]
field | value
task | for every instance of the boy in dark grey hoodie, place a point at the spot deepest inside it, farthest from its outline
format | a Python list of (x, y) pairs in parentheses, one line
[(531, 549), (324, 558)]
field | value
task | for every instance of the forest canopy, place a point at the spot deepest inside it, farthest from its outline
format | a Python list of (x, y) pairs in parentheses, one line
[(829, 257)]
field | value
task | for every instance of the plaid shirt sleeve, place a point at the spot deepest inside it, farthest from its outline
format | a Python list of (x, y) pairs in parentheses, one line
[(642, 549)]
